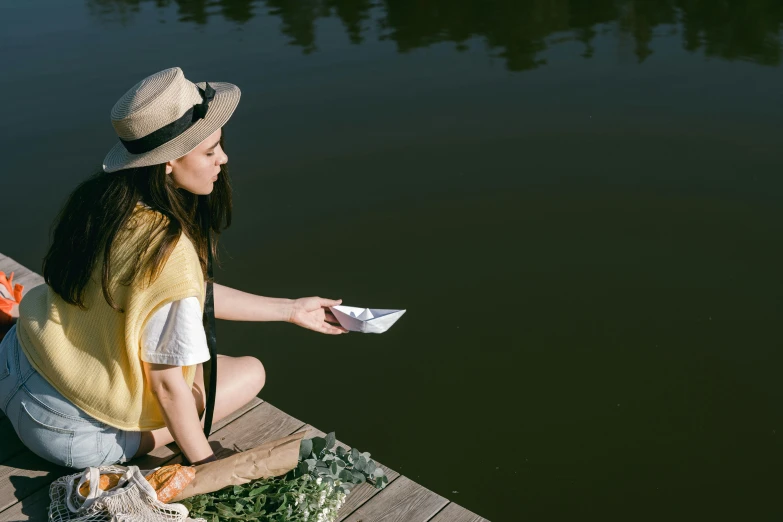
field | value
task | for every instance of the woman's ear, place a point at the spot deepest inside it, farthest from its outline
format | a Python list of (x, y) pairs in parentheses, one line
[(169, 168)]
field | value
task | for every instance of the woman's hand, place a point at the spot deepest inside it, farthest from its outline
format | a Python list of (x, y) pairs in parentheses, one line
[(313, 313)]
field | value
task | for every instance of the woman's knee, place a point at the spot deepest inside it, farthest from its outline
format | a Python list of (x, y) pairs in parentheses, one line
[(255, 373)]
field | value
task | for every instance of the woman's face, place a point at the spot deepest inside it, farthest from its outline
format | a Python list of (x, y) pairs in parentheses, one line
[(198, 170)]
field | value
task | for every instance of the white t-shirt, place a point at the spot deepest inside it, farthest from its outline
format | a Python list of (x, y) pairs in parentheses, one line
[(175, 335)]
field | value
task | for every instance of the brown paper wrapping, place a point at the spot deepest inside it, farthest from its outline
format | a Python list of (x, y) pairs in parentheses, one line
[(271, 459)]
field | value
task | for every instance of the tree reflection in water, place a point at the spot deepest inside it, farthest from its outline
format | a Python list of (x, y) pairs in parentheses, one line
[(516, 30)]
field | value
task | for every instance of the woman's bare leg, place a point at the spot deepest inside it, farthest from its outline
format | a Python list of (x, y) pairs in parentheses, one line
[(239, 380)]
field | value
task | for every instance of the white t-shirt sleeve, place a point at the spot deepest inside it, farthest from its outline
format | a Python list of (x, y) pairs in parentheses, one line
[(175, 335)]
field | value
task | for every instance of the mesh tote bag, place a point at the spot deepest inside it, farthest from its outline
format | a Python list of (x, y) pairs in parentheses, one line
[(132, 499)]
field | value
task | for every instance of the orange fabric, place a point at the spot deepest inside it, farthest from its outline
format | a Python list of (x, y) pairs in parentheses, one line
[(6, 320), (14, 291)]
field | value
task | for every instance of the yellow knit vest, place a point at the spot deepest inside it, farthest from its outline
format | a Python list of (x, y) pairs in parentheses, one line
[(92, 356)]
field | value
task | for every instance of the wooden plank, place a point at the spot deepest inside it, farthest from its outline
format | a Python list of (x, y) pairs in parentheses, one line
[(22, 275), (23, 475), (259, 425), (11, 445), (456, 513), (401, 501), (359, 494), (34, 507)]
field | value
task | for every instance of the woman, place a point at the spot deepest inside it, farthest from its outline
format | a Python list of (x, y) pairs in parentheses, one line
[(104, 362)]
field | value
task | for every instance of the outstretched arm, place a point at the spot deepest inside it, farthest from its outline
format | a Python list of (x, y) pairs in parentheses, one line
[(308, 312), (235, 305)]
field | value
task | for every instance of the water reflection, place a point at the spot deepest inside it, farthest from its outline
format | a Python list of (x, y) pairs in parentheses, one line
[(516, 30)]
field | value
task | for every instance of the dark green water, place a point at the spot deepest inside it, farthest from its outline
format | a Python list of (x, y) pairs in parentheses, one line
[(578, 203)]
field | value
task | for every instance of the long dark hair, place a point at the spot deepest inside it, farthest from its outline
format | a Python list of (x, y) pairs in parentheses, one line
[(98, 209)]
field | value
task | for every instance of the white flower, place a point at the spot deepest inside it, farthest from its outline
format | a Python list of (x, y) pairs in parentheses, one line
[(325, 511), (318, 481)]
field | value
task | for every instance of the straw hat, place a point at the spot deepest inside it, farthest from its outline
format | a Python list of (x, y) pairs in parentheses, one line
[(165, 116)]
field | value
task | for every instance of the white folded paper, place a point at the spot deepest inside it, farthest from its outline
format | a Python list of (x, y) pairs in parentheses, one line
[(365, 320)]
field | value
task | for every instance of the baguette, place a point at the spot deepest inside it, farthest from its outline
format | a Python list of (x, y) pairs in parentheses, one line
[(169, 481), (107, 482)]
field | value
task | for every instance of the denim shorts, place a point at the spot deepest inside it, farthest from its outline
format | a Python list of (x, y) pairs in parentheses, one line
[(49, 424)]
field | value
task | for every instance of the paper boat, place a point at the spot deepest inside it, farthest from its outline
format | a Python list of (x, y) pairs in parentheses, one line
[(365, 320)]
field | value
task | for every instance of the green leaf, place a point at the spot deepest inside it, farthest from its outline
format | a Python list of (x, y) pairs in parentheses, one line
[(358, 478), (257, 491), (377, 472), (333, 468), (305, 448), (379, 482), (346, 476), (224, 511), (330, 440), (341, 452), (360, 463), (319, 443), (370, 468), (366, 455), (354, 454)]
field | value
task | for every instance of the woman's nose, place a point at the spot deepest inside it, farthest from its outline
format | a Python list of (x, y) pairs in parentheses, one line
[(223, 159)]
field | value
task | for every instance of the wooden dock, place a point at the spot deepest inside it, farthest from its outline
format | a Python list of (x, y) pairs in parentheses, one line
[(25, 477)]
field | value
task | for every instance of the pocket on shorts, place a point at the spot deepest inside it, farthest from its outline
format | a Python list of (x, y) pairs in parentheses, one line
[(41, 437)]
